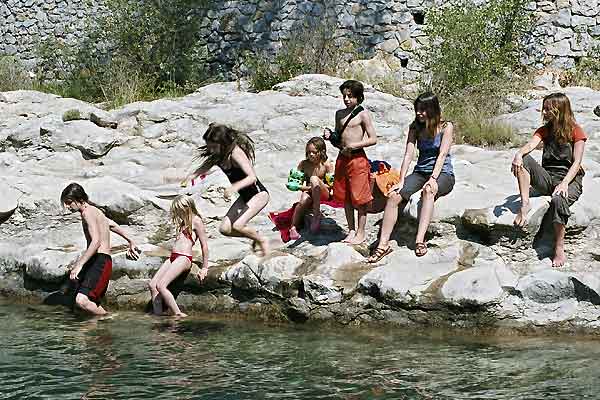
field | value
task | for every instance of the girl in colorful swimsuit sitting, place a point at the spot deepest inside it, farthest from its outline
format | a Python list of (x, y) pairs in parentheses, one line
[(315, 169), (190, 229), (233, 152), (433, 174)]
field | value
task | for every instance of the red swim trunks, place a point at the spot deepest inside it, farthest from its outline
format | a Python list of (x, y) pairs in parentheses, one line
[(95, 276), (352, 175)]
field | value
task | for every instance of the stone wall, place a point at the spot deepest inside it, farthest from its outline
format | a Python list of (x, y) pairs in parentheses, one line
[(566, 29), (24, 24)]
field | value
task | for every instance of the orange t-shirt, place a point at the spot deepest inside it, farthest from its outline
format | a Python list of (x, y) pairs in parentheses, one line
[(576, 135)]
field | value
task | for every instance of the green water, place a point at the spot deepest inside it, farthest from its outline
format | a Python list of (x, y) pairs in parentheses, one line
[(47, 353)]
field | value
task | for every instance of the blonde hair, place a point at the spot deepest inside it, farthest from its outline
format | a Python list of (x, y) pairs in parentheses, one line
[(561, 121), (183, 210)]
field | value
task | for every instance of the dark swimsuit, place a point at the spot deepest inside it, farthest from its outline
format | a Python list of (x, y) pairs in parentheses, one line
[(236, 174)]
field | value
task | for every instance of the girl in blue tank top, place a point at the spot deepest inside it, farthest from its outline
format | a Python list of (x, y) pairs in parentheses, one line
[(433, 174)]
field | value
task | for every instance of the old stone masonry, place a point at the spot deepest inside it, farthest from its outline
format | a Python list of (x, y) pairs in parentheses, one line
[(565, 30)]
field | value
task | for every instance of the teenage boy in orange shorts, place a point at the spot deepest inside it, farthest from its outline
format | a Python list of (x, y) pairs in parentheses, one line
[(354, 131)]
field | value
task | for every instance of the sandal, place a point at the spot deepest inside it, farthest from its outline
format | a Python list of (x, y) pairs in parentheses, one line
[(420, 249), (379, 254)]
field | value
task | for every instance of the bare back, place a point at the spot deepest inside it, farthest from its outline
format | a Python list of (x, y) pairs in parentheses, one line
[(95, 224)]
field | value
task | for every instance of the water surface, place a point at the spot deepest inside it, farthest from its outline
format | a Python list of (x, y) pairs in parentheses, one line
[(48, 353)]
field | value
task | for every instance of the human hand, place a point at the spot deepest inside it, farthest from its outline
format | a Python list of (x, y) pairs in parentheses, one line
[(202, 273), (346, 150), (397, 187), (74, 275), (432, 183), (561, 189), (517, 164), (228, 193), (133, 252)]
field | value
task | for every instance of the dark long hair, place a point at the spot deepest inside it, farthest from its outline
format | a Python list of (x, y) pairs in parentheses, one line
[(228, 138), (429, 102), (74, 192)]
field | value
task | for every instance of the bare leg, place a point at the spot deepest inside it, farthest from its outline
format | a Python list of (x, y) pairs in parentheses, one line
[(299, 212), (157, 303), (427, 200), (524, 180), (86, 304), (361, 235), (390, 216), (239, 225), (318, 190), (559, 246), (180, 265), (349, 211)]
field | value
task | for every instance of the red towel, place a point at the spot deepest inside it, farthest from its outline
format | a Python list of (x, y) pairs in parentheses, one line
[(283, 219)]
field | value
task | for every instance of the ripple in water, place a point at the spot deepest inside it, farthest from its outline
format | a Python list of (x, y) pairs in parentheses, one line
[(47, 353)]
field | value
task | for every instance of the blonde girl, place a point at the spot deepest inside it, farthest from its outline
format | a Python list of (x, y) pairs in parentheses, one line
[(233, 152), (190, 229), (433, 174), (560, 174), (315, 168)]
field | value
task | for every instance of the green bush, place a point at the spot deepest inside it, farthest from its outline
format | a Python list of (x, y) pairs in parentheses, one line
[(471, 43), (312, 49), (586, 71), (13, 75), (473, 59), (71, 115), (136, 51)]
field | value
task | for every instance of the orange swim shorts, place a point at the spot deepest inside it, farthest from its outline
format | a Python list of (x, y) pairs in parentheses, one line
[(351, 182)]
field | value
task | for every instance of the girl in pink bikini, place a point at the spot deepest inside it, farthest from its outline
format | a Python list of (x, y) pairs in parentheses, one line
[(190, 229)]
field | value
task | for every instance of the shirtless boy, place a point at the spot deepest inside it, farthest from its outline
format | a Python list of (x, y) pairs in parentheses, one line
[(352, 168), (93, 269)]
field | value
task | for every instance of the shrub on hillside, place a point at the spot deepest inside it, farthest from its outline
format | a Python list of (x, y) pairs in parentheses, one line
[(473, 63), (586, 72), (312, 49), (472, 42), (132, 52), (13, 75)]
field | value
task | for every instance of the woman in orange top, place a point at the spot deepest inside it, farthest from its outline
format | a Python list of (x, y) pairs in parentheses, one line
[(560, 174)]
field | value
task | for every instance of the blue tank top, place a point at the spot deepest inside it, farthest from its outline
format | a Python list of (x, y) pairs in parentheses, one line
[(429, 149)]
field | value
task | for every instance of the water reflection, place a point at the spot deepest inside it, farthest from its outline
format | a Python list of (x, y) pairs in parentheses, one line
[(50, 353)]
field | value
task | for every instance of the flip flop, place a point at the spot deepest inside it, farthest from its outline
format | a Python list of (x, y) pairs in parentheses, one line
[(379, 254), (420, 249)]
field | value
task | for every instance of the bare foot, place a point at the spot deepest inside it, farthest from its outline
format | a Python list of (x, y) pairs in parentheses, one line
[(264, 247), (180, 315), (521, 218), (358, 239), (350, 237), (559, 257), (294, 235)]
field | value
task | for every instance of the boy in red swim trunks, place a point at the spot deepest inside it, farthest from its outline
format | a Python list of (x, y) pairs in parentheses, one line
[(354, 131), (93, 269)]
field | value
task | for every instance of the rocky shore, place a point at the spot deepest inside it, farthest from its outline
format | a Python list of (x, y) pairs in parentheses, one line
[(480, 272)]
